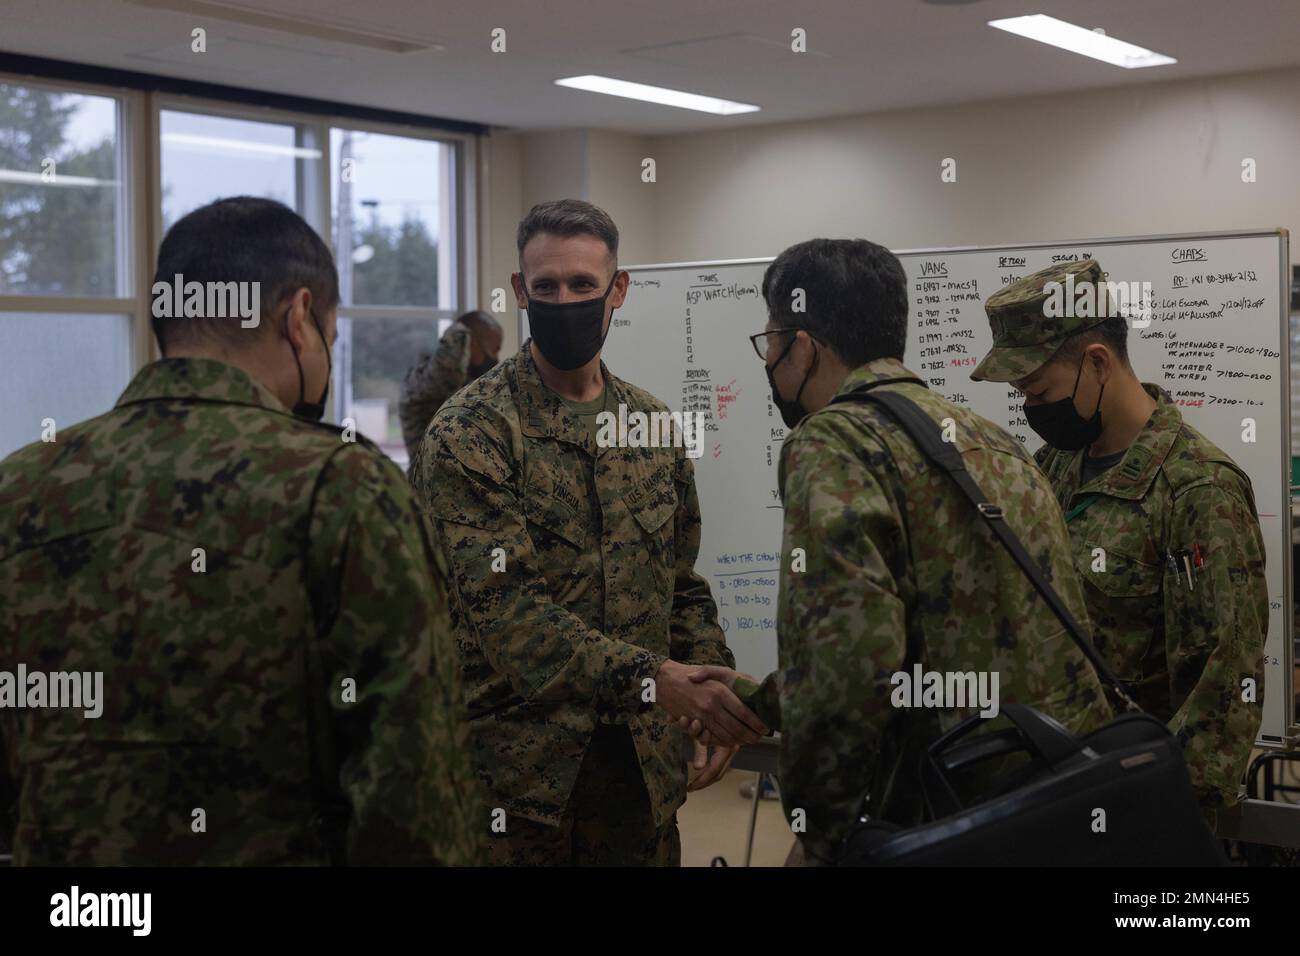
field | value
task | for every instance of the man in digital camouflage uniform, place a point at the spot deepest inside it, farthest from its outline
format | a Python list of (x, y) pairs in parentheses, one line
[(465, 351), (898, 568), (579, 610), (279, 682), (1163, 523)]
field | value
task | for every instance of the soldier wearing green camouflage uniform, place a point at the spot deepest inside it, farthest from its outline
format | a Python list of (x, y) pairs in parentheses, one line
[(900, 568), (573, 567), (1141, 491), (260, 595), (465, 351)]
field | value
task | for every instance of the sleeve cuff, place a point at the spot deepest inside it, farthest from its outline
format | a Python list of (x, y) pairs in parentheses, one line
[(623, 686), (762, 699)]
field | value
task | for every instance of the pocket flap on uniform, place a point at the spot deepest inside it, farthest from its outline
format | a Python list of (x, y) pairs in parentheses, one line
[(556, 517), (1124, 576), (473, 498), (451, 508), (653, 502)]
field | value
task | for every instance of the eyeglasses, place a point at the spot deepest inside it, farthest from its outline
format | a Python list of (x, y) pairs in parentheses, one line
[(761, 350)]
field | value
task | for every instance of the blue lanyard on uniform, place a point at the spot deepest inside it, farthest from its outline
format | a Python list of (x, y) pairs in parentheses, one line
[(1080, 508)]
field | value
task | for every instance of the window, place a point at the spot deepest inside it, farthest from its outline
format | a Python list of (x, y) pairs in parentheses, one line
[(79, 234), (207, 157), (395, 243), (59, 368), (61, 194), (394, 194), (67, 316)]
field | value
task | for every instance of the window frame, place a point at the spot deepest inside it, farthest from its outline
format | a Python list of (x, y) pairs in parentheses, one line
[(459, 186), (133, 270), (139, 216)]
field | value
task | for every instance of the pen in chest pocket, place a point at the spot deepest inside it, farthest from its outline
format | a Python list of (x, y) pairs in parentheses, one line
[(1173, 565)]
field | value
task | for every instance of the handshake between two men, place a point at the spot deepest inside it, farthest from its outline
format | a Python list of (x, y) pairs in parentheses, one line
[(703, 701)]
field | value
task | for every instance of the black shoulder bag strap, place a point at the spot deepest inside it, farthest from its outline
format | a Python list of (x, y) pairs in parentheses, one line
[(925, 432)]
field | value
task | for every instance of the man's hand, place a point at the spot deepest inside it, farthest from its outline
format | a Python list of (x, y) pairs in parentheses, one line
[(709, 672), (708, 770), (728, 722), (714, 672)]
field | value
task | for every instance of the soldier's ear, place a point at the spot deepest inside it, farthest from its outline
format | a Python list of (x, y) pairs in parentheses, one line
[(622, 279), (332, 326), (810, 347), (294, 319), (1101, 360)]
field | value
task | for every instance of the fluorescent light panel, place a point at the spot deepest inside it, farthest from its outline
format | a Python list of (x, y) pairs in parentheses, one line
[(38, 179), (655, 94), (206, 143), (1079, 40)]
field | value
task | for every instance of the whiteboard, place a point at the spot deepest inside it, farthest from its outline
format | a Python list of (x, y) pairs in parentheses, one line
[(1217, 341)]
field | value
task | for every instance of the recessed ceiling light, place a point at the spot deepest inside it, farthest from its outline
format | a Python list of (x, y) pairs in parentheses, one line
[(655, 94), (1085, 42)]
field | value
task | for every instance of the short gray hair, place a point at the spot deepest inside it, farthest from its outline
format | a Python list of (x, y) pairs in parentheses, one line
[(568, 217)]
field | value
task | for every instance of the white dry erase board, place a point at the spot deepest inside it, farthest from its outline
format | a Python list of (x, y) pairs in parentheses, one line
[(1217, 340)]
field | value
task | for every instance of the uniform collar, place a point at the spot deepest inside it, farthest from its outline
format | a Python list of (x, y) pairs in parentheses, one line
[(1132, 477), (876, 371), (199, 379), (543, 414)]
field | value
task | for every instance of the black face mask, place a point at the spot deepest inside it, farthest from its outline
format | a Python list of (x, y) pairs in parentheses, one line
[(474, 371), (1060, 425), (568, 334), (791, 411), (312, 411)]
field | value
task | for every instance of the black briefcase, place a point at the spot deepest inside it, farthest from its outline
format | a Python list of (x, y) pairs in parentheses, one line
[(1119, 796)]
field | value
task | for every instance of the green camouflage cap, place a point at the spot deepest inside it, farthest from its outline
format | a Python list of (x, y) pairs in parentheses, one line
[(1024, 337)]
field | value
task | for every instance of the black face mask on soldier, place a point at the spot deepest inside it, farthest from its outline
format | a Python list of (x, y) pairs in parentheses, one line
[(1059, 423), (474, 371), (791, 411), (312, 411), (568, 333)]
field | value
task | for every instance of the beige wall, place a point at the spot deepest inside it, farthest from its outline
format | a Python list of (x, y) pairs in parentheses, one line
[(614, 184), (521, 169), (1163, 158), (554, 165), (1158, 158), (500, 196)]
